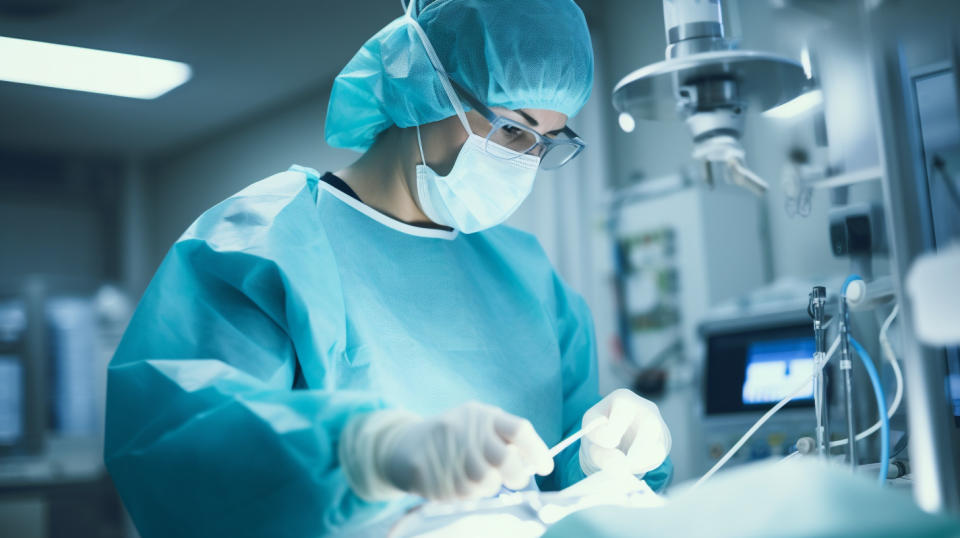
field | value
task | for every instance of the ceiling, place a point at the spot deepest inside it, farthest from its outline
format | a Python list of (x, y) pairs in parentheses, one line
[(247, 57)]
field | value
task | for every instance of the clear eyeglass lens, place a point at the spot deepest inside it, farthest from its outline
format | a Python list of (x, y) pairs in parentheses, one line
[(513, 138), (558, 155)]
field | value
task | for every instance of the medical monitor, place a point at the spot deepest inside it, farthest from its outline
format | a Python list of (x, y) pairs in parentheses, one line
[(748, 369)]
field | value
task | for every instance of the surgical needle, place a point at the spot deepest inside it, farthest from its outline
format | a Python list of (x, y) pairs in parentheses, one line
[(559, 447)]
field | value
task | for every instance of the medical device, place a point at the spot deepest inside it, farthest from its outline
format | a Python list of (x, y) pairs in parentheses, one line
[(816, 310), (710, 85), (752, 360)]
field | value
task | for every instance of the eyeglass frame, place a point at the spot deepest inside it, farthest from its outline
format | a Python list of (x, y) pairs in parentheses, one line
[(497, 122)]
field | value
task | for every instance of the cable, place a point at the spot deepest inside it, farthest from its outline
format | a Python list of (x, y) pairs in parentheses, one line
[(881, 404), (789, 456), (897, 398), (891, 358), (766, 416), (897, 373)]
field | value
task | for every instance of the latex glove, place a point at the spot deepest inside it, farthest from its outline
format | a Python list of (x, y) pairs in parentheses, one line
[(635, 438), (466, 453)]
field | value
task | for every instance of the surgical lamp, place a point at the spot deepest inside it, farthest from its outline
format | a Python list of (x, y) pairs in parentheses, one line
[(709, 84)]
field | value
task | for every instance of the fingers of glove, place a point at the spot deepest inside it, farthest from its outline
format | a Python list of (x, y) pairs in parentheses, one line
[(441, 484), (489, 485), (462, 487), (507, 426), (594, 414), (649, 446), (601, 408), (494, 450), (619, 419), (516, 474), (608, 459), (533, 451), (476, 467)]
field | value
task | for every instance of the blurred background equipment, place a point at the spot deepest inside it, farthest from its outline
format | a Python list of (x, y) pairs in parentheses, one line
[(844, 114), (57, 335), (710, 84)]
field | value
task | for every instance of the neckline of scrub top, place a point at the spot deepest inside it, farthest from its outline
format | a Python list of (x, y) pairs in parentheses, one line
[(336, 181), (390, 222)]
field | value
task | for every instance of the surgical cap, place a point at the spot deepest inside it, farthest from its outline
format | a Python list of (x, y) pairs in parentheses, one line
[(508, 53)]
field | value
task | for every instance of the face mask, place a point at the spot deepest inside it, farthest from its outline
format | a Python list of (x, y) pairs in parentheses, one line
[(480, 191)]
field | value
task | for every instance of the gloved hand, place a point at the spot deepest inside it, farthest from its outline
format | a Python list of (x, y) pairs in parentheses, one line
[(634, 439), (465, 453)]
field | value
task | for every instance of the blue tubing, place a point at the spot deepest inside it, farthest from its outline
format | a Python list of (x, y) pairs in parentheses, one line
[(881, 404)]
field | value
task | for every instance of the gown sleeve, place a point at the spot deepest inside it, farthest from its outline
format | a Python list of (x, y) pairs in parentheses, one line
[(580, 386), (206, 433)]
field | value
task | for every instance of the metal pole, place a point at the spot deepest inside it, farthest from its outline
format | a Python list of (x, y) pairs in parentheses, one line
[(818, 298), (846, 366), (934, 465)]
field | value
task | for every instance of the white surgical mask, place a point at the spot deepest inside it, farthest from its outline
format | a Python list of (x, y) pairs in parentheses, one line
[(481, 190)]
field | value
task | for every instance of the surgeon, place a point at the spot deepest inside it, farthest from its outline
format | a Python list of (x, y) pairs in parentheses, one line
[(321, 352)]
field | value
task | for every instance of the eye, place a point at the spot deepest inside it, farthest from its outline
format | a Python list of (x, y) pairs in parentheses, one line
[(512, 130)]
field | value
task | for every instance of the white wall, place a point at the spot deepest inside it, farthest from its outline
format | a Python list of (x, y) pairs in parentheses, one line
[(632, 36), (54, 238)]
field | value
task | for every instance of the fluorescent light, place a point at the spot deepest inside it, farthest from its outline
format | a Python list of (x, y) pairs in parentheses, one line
[(88, 70), (798, 105), (627, 123)]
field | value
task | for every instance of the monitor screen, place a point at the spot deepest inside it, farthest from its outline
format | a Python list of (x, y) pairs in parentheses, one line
[(11, 405), (750, 369), (953, 381), (775, 368)]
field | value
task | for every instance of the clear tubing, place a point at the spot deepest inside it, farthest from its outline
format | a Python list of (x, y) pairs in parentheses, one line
[(821, 407), (763, 420), (897, 374)]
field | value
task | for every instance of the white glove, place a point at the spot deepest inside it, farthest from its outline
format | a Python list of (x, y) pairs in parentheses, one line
[(635, 438), (465, 453)]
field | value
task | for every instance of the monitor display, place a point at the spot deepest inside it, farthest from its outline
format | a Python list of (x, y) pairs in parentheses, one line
[(749, 369), (776, 368), (953, 382), (11, 405)]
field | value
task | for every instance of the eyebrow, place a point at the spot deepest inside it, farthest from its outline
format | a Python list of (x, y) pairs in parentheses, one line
[(535, 123)]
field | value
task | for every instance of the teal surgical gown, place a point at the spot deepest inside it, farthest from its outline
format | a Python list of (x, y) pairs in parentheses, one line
[(291, 307)]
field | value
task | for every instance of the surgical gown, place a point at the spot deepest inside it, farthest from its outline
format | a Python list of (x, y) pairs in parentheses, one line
[(291, 307)]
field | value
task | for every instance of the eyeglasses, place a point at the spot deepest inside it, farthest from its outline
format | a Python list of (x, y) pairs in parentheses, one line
[(520, 139)]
